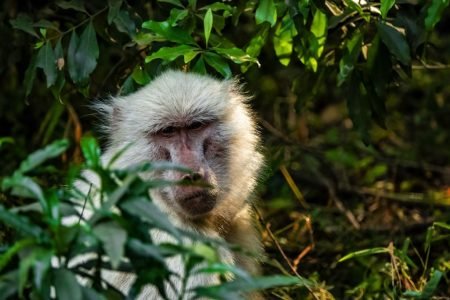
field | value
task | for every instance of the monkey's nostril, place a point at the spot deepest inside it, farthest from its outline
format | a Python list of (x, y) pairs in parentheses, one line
[(193, 177)]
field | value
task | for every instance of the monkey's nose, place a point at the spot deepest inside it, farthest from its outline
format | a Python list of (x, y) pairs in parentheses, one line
[(193, 177)]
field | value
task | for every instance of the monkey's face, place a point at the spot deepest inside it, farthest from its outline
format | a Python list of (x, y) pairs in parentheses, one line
[(198, 146)]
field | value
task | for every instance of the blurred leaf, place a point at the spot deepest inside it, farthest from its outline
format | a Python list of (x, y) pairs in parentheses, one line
[(257, 42), (359, 107), (38, 157), (66, 285), (227, 289), (124, 23), (266, 12), (434, 13), (177, 15), (23, 186), (114, 8), (395, 41), (147, 250), (364, 252), (41, 266), (25, 23), (20, 224), (82, 54), (46, 60), (173, 2), (30, 75), (149, 212), (173, 34), (351, 54), (140, 76), (207, 25), (91, 151), (428, 290), (219, 64), (113, 240), (375, 172), (6, 256), (8, 284), (172, 53), (386, 5), (77, 5)]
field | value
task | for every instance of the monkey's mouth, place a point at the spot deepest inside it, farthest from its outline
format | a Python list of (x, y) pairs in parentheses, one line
[(198, 203)]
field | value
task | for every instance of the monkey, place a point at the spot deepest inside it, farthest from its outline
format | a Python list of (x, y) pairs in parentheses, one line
[(204, 124)]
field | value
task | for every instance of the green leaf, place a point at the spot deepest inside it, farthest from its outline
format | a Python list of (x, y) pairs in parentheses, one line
[(114, 8), (207, 25), (365, 252), (177, 15), (429, 289), (237, 55), (171, 53), (258, 41), (140, 76), (83, 54), (77, 5), (41, 265), (30, 75), (173, 2), (66, 285), (148, 250), (124, 23), (173, 34), (434, 13), (351, 54), (232, 288), (283, 40), (38, 157), (46, 60), (113, 240), (386, 5), (319, 30), (395, 41), (199, 66), (25, 23), (266, 12), (149, 212), (23, 186), (6, 257), (91, 152), (20, 224), (218, 63), (91, 294)]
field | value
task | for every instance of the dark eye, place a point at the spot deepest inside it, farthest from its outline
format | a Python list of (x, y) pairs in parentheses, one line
[(167, 130), (196, 125)]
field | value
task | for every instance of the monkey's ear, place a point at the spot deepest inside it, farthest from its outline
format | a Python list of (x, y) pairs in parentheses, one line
[(110, 114)]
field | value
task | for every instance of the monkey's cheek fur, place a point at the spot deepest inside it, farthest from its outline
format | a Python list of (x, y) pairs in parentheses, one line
[(198, 203)]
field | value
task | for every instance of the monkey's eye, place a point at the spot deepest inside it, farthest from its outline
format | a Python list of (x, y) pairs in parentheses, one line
[(167, 131), (196, 125)]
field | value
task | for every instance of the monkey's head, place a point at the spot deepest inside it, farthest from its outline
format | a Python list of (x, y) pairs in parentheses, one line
[(195, 121)]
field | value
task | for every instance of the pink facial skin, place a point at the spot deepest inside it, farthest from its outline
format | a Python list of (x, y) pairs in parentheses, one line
[(197, 146)]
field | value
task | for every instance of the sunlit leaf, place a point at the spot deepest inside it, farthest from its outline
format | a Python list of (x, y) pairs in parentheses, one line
[(237, 55), (172, 53), (91, 151), (283, 40), (266, 12), (386, 5), (173, 34), (207, 25)]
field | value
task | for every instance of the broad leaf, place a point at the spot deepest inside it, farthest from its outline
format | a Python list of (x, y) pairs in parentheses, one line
[(395, 41), (113, 240), (218, 63), (173, 34), (266, 12), (77, 5), (172, 53), (20, 224), (124, 23), (114, 7), (434, 13), (386, 5), (38, 157), (46, 60), (348, 61), (237, 55), (25, 23), (66, 285), (91, 151)]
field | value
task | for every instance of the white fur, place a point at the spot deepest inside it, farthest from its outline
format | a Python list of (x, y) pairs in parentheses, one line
[(176, 95)]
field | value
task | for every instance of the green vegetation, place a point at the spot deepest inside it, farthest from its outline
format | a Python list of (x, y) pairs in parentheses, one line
[(351, 98)]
